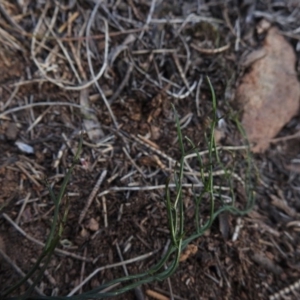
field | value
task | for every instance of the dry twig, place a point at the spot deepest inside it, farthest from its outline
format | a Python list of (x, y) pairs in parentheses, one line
[(92, 196)]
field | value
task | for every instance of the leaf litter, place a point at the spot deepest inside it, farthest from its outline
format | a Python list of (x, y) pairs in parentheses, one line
[(146, 55)]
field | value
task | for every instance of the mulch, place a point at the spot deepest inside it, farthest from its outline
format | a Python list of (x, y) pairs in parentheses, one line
[(111, 72)]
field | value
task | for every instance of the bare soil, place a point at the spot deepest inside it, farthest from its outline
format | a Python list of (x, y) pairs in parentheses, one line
[(151, 57)]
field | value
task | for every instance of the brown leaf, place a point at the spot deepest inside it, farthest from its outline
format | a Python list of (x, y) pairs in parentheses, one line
[(190, 250), (269, 94)]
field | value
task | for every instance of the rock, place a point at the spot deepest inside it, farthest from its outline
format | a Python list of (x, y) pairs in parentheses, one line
[(269, 93)]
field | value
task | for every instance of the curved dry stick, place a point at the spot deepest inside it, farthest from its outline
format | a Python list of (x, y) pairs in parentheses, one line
[(105, 59)]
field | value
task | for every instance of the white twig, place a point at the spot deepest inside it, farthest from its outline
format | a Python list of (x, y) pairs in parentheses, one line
[(146, 188), (11, 97), (149, 17), (38, 119), (121, 259), (18, 108), (237, 230), (120, 212), (104, 212), (229, 148), (133, 162), (64, 50)]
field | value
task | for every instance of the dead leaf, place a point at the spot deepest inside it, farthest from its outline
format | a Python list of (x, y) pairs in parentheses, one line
[(189, 250), (92, 225), (84, 234), (269, 93)]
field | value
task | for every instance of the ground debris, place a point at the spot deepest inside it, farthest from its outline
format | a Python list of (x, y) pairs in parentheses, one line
[(266, 263), (269, 93)]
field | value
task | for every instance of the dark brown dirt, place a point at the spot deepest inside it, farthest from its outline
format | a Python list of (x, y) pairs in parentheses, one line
[(264, 258)]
